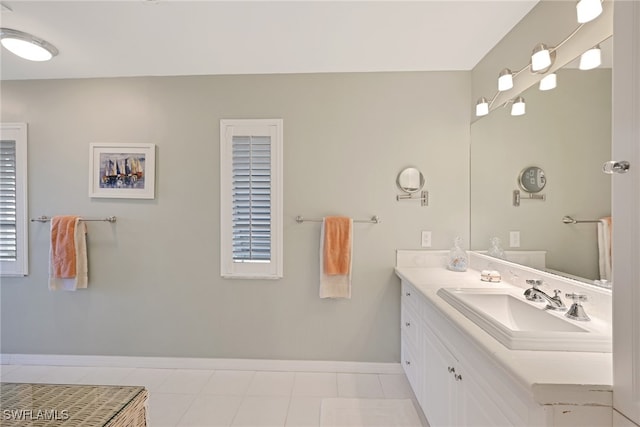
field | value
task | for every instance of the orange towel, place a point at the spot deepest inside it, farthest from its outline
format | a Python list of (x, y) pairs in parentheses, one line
[(63, 248), (337, 245)]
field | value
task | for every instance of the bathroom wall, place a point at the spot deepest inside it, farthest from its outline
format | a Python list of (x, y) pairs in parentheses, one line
[(155, 286)]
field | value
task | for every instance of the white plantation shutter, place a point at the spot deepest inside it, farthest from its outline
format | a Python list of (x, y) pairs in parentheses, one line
[(13, 199), (251, 198)]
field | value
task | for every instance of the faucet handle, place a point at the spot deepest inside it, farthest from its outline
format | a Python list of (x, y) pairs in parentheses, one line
[(577, 297), (556, 292), (534, 283)]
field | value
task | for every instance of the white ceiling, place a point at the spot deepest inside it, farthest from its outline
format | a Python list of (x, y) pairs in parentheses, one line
[(179, 37)]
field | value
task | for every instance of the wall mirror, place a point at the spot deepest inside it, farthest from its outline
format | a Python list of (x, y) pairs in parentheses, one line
[(532, 179), (410, 180), (566, 132)]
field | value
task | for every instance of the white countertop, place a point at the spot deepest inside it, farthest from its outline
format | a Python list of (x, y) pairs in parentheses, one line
[(554, 377)]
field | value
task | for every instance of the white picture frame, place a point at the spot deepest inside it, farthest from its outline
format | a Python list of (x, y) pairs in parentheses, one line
[(122, 170)]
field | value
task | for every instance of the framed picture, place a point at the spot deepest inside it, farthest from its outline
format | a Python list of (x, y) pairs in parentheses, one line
[(122, 170)]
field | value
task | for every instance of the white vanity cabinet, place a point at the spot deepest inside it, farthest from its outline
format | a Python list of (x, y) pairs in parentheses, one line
[(455, 385)]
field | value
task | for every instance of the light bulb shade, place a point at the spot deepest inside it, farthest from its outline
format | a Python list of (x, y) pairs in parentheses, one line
[(505, 80), (548, 82), (482, 107), (541, 58), (518, 107), (588, 10), (591, 59), (26, 45)]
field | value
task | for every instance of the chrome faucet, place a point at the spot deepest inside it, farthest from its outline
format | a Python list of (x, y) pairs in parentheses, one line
[(537, 295)]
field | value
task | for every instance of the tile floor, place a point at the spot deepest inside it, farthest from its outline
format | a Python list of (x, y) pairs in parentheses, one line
[(200, 398)]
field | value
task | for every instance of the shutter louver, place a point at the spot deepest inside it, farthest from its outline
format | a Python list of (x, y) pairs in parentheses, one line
[(8, 201), (251, 189)]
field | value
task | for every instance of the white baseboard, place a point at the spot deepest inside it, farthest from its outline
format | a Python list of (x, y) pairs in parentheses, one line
[(202, 363)]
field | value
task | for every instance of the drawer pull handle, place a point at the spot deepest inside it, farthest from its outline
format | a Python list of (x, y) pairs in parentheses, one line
[(451, 370), (408, 324), (407, 362), (458, 377), (408, 294)]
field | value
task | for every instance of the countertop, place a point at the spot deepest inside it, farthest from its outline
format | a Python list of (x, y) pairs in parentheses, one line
[(554, 377)]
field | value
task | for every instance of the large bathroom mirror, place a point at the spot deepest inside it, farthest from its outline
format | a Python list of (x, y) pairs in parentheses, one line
[(567, 133)]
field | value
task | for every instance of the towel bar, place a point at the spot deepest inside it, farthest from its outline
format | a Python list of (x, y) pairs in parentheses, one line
[(44, 218), (569, 220), (373, 220)]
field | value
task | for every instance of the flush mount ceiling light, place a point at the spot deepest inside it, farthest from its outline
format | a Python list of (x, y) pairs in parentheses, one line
[(505, 80), (26, 45), (542, 58), (548, 82), (518, 107), (482, 107), (588, 10), (591, 59)]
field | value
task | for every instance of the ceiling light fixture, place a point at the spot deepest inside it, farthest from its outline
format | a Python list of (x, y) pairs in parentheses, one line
[(591, 59), (518, 107), (482, 107), (588, 10), (26, 45), (542, 58), (548, 82), (505, 80)]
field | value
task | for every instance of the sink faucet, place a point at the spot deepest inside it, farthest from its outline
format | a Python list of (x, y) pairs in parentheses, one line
[(537, 295)]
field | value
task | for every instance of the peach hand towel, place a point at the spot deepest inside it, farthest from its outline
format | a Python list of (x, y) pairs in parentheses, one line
[(68, 253), (335, 257), (605, 229)]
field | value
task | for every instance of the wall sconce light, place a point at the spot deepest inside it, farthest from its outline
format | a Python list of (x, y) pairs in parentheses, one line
[(26, 45), (518, 107), (482, 107), (505, 80), (548, 82), (588, 10), (591, 59), (542, 58)]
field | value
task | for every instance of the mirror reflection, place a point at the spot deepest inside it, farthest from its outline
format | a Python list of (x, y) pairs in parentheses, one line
[(410, 180), (567, 133)]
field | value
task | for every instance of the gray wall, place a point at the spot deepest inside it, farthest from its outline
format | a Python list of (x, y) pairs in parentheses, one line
[(155, 286)]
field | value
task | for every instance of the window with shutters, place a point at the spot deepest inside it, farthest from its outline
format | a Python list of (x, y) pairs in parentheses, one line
[(13, 200), (251, 198)]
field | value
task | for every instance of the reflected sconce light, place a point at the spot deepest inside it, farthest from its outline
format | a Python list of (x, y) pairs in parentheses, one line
[(26, 45), (542, 58), (548, 82), (588, 10), (591, 59), (505, 80), (518, 107), (482, 107)]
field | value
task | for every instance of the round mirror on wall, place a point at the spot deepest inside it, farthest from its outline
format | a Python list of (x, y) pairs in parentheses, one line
[(532, 179), (410, 180)]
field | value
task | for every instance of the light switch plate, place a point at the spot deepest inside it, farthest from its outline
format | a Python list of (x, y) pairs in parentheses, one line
[(514, 239), (426, 239)]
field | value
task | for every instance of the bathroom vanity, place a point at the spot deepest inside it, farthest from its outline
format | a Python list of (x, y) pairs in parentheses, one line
[(462, 375)]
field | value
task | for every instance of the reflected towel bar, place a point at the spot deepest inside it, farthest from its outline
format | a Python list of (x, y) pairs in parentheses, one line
[(373, 220), (569, 220), (48, 218)]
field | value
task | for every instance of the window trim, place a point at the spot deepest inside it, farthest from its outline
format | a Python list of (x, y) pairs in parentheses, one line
[(20, 267), (250, 127)]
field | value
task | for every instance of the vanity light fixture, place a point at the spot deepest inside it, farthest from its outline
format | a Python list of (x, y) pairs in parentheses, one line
[(548, 82), (518, 107), (591, 59), (588, 10), (542, 58), (505, 80), (26, 45), (482, 107)]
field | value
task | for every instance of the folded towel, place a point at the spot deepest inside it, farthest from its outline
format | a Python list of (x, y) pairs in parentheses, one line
[(604, 248), (68, 268), (335, 257)]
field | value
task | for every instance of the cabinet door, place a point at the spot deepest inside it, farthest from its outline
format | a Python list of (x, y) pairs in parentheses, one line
[(476, 409), (440, 396)]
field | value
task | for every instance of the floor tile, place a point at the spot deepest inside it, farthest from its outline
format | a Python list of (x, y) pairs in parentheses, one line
[(150, 378), (318, 384), (185, 381), (359, 385), (5, 369), (210, 410), (229, 383), (26, 374), (395, 386), (259, 411), (304, 412), (67, 374), (105, 376), (271, 384), (166, 409)]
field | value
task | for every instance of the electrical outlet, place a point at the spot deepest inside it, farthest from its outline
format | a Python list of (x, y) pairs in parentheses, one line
[(514, 239), (426, 239)]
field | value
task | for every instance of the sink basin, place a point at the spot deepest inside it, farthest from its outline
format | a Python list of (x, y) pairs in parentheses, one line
[(522, 325)]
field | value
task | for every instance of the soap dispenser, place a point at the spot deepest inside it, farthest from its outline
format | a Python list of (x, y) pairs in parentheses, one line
[(458, 260)]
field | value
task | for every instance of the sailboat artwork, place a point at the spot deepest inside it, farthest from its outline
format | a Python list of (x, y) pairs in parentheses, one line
[(122, 170)]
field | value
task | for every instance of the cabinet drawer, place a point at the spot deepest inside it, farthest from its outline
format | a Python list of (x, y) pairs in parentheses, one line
[(410, 326), (410, 297), (412, 366)]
